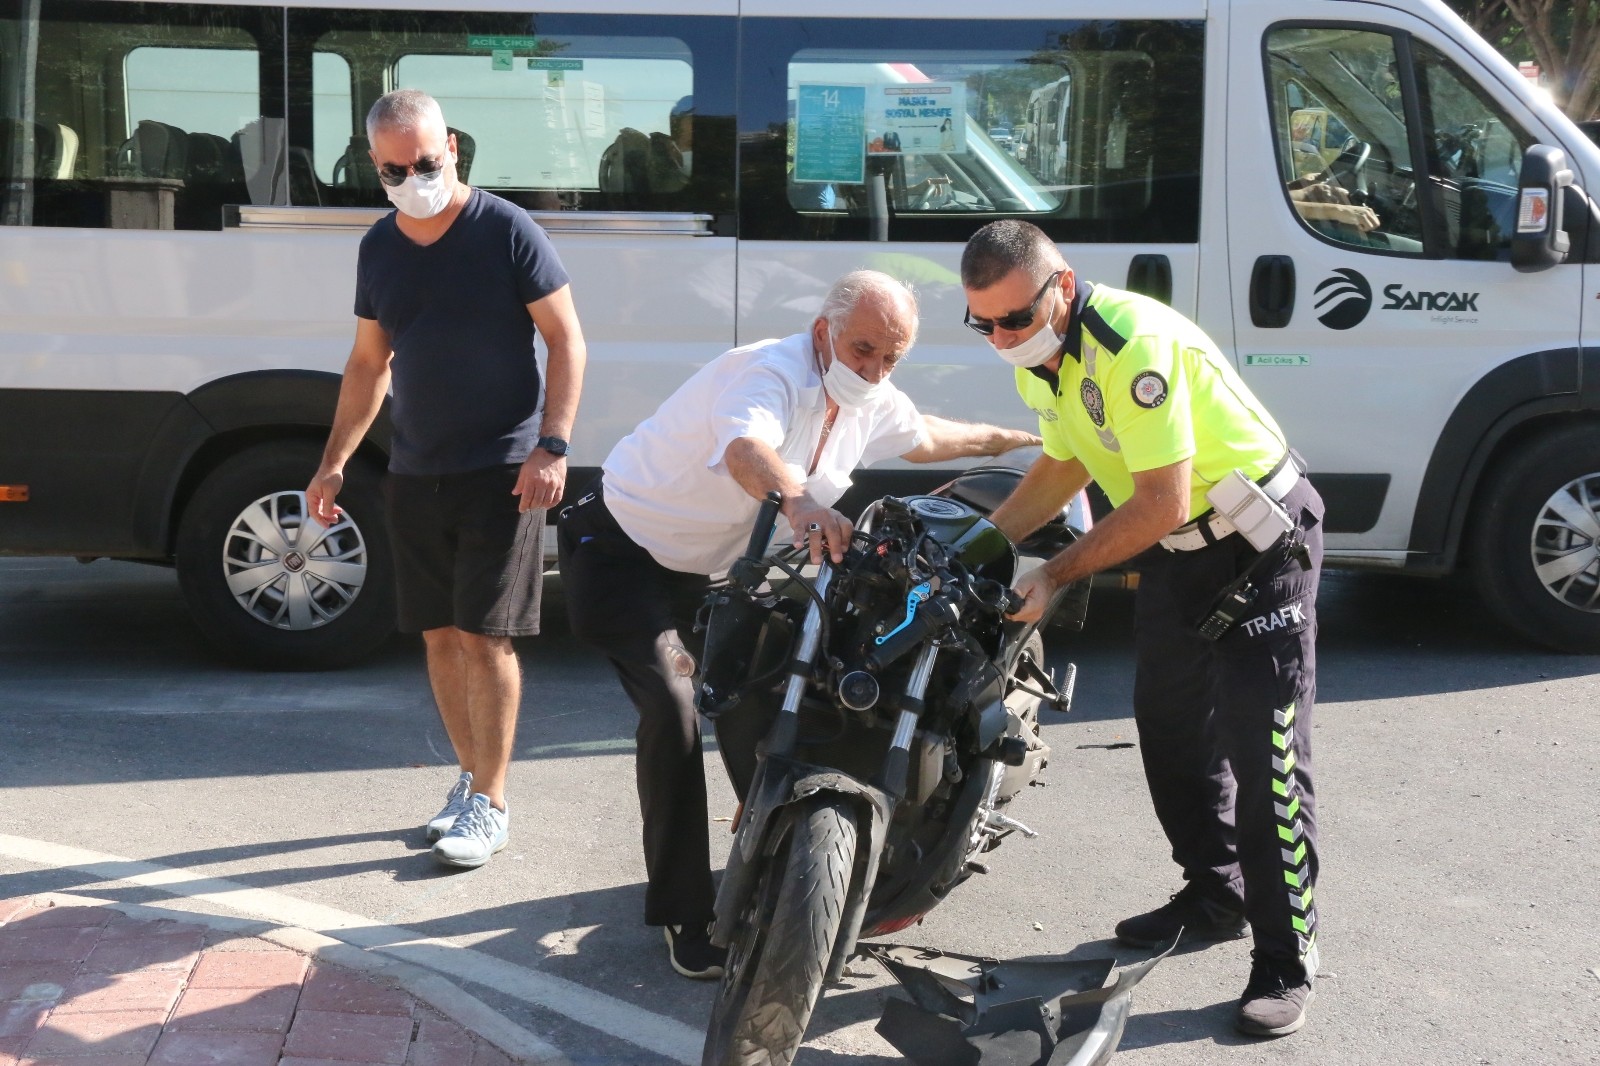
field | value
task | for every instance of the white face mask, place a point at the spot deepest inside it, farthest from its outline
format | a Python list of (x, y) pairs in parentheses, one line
[(849, 389), (423, 195), (1037, 349)]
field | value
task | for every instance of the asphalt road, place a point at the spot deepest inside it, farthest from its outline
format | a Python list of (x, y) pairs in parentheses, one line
[(1457, 773)]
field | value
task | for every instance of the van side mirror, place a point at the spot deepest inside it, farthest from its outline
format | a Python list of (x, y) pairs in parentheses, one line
[(1541, 239)]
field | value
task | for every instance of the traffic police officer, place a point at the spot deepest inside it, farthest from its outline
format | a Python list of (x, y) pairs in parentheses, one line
[(1134, 396)]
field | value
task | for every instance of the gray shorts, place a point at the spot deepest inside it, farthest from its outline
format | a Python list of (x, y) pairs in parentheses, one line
[(463, 555)]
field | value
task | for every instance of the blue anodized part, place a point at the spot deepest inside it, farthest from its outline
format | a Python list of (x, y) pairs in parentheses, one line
[(913, 598)]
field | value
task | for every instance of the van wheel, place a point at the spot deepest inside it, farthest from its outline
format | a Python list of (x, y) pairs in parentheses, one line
[(1536, 554), (269, 585)]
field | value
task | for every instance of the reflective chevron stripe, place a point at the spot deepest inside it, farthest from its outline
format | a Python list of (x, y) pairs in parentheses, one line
[(1291, 830)]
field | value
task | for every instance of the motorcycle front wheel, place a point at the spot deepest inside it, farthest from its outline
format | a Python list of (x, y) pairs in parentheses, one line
[(785, 938)]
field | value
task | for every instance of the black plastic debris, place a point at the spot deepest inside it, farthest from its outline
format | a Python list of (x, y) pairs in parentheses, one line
[(966, 1010)]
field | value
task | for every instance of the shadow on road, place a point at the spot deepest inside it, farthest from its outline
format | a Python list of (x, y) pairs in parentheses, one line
[(82, 646)]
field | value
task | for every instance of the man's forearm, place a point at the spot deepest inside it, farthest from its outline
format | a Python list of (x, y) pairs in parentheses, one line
[(1159, 504), (1116, 538), (562, 387), (361, 394), (947, 439), (1043, 491), (758, 469)]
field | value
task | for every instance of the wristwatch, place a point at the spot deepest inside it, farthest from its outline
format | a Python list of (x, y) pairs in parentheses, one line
[(554, 445)]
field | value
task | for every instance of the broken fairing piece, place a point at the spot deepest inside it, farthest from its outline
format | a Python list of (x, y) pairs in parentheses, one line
[(967, 1011)]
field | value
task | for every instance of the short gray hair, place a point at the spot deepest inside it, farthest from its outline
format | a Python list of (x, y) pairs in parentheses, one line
[(850, 290), (403, 109), (1006, 245)]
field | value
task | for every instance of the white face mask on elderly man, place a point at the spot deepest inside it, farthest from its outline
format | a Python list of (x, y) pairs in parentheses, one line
[(422, 195), (849, 389)]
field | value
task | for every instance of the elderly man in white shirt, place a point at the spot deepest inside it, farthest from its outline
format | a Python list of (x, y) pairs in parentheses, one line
[(675, 504)]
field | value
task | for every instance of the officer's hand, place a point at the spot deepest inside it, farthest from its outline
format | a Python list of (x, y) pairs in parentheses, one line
[(1035, 587), (541, 481), (818, 527), (321, 493)]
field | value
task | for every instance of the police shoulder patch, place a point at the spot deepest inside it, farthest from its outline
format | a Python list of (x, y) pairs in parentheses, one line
[(1149, 389)]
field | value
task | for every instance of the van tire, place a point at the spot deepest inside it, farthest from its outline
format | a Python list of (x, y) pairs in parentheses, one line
[(1519, 528), (325, 609)]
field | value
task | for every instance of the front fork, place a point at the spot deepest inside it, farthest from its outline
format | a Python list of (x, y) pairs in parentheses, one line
[(780, 781)]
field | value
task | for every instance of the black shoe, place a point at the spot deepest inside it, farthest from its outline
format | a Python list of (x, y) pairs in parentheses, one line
[(1190, 912), (1275, 1001), (692, 954)]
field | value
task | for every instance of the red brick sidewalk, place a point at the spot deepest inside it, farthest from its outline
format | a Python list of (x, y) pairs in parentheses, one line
[(90, 986)]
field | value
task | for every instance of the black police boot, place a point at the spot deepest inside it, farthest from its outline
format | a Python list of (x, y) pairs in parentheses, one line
[(1191, 910)]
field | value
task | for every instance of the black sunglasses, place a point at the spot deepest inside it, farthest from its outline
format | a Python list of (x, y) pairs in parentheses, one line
[(1016, 320), (394, 175)]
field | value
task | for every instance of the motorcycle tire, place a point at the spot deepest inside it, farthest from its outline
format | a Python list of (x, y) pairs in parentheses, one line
[(785, 940)]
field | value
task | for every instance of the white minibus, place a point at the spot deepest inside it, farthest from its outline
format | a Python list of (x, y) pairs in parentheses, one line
[(1367, 207)]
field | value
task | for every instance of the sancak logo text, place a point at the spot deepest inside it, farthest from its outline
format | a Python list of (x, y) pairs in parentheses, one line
[(1402, 300)]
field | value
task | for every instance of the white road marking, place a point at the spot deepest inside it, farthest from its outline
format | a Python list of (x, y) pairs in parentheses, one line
[(653, 1032)]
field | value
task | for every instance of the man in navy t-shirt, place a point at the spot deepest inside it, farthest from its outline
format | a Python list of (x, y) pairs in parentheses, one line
[(451, 290)]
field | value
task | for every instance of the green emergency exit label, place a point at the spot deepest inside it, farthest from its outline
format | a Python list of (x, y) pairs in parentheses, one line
[(555, 64), (496, 42), (1277, 360)]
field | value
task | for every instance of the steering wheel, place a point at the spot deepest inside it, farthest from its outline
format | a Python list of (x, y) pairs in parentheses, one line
[(936, 195), (1349, 168)]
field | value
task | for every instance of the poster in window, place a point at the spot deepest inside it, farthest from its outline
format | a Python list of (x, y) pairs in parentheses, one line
[(917, 119), (830, 134)]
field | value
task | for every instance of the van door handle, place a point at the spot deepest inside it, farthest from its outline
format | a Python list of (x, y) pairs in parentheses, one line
[(1272, 292), (1151, 275)]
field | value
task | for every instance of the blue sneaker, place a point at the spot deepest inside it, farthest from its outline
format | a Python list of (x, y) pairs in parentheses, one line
[(454, 803), (478, 833)]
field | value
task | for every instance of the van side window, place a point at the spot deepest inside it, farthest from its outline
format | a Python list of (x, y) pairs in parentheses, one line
[(551, 111), (147, 116), (1474, 158), (1344, 148), (921, 130)]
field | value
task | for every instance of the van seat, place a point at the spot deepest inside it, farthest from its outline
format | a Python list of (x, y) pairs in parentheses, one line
[(156, 150), (259, 146), (466, 148), (55, 147), (354, 170), (212, 160)]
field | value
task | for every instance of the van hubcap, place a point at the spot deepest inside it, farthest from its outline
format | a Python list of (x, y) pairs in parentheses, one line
[(1566, 544), (289, 571)]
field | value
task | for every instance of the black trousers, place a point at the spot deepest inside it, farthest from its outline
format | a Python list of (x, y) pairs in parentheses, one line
[(1225, 727), (631, 608)]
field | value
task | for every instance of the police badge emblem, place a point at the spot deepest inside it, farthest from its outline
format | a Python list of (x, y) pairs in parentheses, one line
[(1093, 402)]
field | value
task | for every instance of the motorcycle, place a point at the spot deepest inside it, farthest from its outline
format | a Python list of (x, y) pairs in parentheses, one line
[(908, 722)]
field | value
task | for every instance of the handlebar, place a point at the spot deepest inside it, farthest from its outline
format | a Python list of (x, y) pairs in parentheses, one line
[(933, 614), (749, 569), (940, 611), (766, 522)]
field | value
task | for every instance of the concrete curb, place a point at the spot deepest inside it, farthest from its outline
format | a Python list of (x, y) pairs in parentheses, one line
[(429, 988)]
